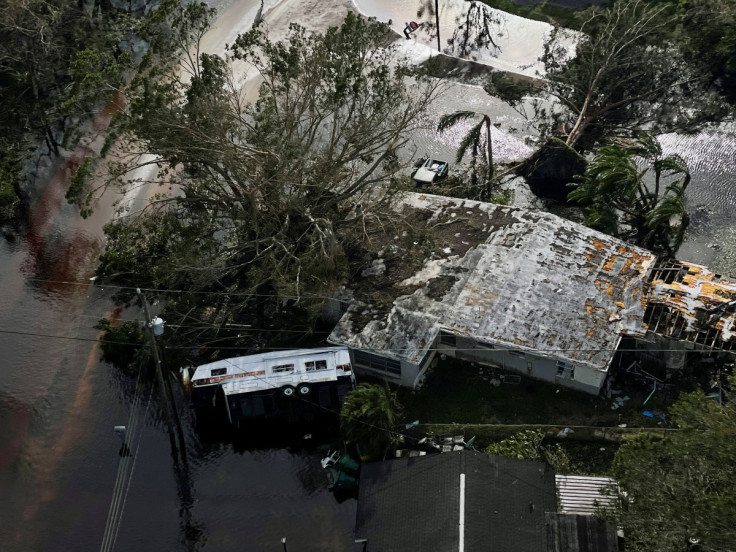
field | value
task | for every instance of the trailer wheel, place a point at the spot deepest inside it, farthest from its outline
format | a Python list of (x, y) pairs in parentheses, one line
[(304, 390), (287, 390)]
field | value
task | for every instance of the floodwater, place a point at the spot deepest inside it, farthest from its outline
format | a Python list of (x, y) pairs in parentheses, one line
[(59, 403)]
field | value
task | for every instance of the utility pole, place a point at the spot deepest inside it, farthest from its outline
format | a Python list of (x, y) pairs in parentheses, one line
[(173, 424), (437, 18), (178, 450)]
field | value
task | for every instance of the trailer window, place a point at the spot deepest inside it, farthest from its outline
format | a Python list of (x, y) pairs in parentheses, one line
[(218, 372), (282, 369), (314, 365)]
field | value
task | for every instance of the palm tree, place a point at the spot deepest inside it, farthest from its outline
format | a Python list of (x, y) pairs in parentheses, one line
[(620, 201), (472, 139), (370, 417)]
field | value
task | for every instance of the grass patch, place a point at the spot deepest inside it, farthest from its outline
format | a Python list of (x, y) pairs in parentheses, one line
[(457, 392)]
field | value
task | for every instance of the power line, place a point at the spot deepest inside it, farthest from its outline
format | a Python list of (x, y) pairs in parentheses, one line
[(205, 326), (199, 292), (120, 489), (366, 349), (70, 337)]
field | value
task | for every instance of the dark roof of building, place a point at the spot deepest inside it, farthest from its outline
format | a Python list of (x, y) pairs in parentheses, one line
[(579, 533), (412, 504)]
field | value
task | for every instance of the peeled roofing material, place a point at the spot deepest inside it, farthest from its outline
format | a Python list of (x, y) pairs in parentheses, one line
[(688, 301), (537, 281)]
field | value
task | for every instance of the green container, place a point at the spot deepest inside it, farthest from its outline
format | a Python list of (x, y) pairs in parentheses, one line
[(348, 465)]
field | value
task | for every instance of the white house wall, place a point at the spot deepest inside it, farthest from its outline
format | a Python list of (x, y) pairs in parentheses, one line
[(407, 378), (587, 379)]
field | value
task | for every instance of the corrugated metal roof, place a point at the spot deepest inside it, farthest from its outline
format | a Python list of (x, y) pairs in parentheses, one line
[(574, 533), (582, 494), (535, 281)]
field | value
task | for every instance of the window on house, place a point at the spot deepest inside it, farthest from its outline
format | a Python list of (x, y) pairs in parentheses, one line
[(517, 354), (448, 339), (565, 370), (482, 345), (376, 362), (282, 369), (218, 371), (314, 365)]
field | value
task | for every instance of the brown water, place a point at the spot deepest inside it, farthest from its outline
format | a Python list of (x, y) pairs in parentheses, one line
[(59, 403)]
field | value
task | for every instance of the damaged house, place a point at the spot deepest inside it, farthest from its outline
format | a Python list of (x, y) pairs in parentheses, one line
[(688, 307), (532, 293), (528, 291)]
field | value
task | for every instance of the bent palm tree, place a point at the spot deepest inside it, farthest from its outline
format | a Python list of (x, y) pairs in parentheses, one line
[(615, 193), (473, 139)]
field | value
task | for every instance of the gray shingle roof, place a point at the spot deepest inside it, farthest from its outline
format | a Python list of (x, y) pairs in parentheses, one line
[(414, 503)]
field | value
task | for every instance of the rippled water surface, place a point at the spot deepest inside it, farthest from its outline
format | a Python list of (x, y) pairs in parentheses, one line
[(59, 404)]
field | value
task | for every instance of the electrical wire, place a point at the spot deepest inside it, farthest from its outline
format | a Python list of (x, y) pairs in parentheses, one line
[(365, 349), (132, 469), (121, 489), (198, 292)]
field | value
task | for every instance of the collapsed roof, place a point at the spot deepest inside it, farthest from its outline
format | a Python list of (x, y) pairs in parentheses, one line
[(689, 302)]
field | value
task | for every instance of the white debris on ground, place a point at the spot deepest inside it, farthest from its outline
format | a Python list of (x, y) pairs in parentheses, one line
[(376, 269), (519, 40), (520, 44), (431, 270)]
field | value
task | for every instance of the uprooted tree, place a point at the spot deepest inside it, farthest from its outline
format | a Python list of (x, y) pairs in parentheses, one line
[(627, 74), (261, 200)]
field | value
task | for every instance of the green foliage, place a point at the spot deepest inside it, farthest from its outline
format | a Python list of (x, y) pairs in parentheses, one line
[(629, 73), (527, 445), (370, 417), (9, 176), (481, 175), (510, 89), (96, 75), (261, 196), (122, 345), (77, 187), (708, 34), (646, 206), (57, 61), (681, 486), (504, 197)]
